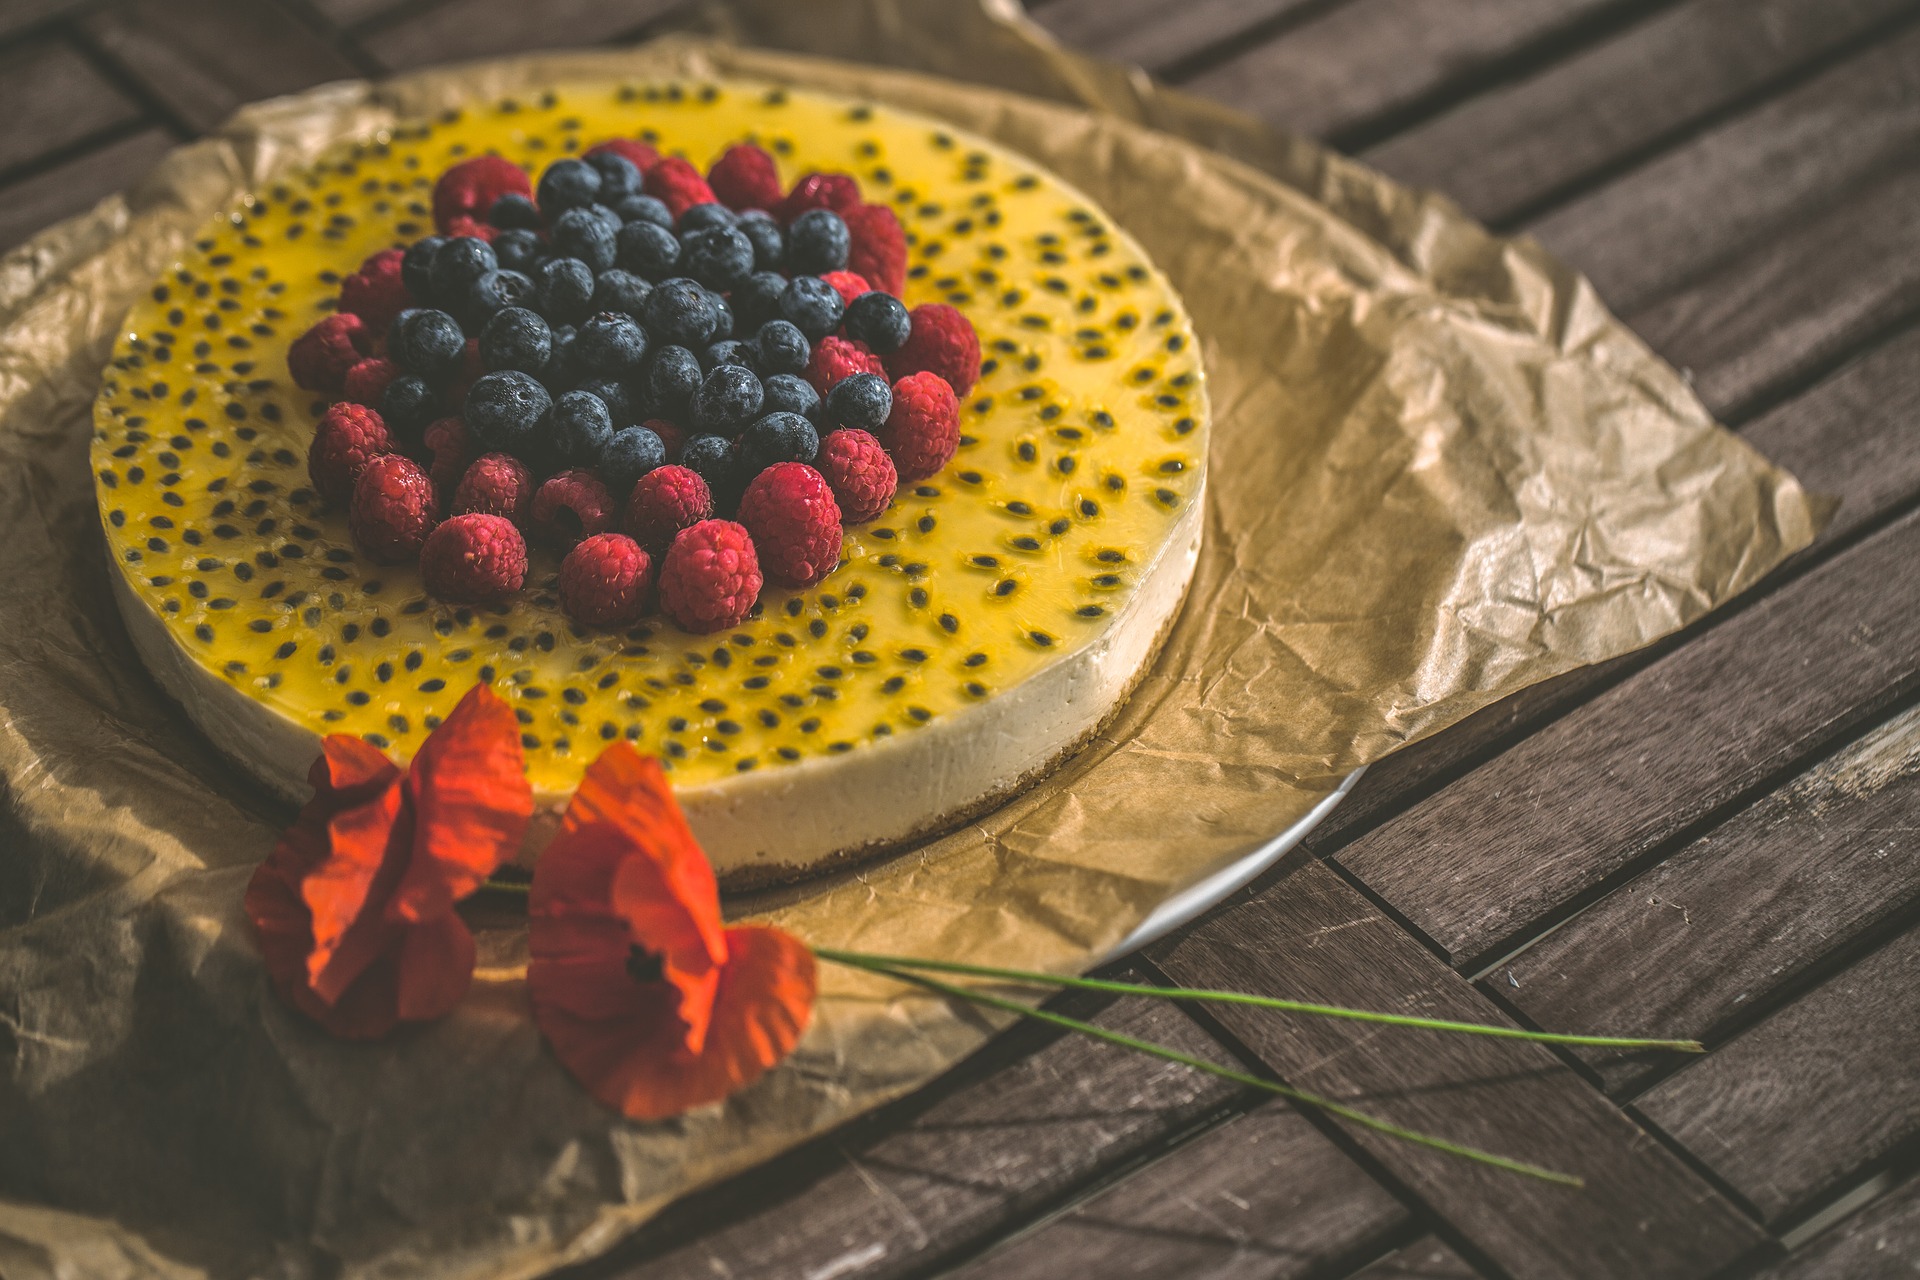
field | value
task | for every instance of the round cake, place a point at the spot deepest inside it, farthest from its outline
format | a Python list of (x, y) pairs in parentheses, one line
[(972, 634)]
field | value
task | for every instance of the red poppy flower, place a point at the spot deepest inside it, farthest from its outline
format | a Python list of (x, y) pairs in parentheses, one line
[(645, 996), (354, 909)]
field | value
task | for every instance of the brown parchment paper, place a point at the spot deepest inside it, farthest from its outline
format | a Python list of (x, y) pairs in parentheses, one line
[(1441, 471)]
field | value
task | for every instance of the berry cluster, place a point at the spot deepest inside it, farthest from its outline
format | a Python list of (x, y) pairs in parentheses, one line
[(675, 381)]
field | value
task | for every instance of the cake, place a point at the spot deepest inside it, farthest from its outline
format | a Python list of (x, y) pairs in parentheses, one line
[(967, 638)]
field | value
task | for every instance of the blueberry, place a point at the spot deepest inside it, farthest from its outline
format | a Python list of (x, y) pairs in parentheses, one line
[(645, 209), (757, 299), (459, 262), (583, 234), (728, 399), (563, 365), (628, 456), (727, 351), (495, 290), (504, 411), (778, 437), (514, 211), (698, 217), (519, 250), (567, 184), (880, 320), (618, 290), (817, 242), (615, 396), (860, 400), (516, 338), (581, 428), (764, 234), (647, 249), (619, 176), (718, 257), (416, 266), (673, 375), (407, 406), (566, 290), (781, 348), (786, 393), (722, 315), (681, 312), (711, 458), (431, 344), (611, 344), (810, 305)]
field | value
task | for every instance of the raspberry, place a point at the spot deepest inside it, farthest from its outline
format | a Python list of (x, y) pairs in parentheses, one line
[(678, 185), (835, 358), (474, 559), (710, 576), (367, 381), (643, 156), (496, 484), (942, 342), (795, 523), (570, 506), (848, 284), (604, 581), (393, 509), (859, 472), (319, 358), (375, 292), (836, 191), (452, 449), (462, 225), (923, 428), (348, 438), (471, 187), (671, 436), (663, 502), (744, 177), (879, 249)]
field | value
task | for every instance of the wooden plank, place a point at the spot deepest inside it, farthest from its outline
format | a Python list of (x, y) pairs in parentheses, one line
[(1490, 857), (1312, 936), (1424, 1259), (1367, 58), (1152, 33), (1515, 146), (33, 203), (204, 58), (51, 98), (1266, 1195), (478, 28), (1826, 1085), (1696, 946), (1881, 1240), (951, 1168), (1756, 174)]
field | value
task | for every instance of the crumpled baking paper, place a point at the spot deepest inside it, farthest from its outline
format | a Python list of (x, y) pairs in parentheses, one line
[(1441, 472)]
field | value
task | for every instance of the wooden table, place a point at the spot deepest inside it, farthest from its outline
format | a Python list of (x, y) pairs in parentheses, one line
[(1713, 838)]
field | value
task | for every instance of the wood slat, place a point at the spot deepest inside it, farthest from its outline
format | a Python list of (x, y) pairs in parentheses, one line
[(1367, 58), (1312, 936), (51, 98), (1153, 33), (1487, 859), (205, 58), (1881, 1240), (1759, 173), (478, 28), (1812, 1093), (1266, 1195), (1425, 1259), (1513, 147), (1696, 946), (895, 1193), (45, 198)]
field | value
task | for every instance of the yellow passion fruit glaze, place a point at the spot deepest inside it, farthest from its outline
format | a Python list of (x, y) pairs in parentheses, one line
[(1081, 447)]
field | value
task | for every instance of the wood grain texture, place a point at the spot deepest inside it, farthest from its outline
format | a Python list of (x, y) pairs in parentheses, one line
[(886, 1201), (1811, 1094), (1488, 858), (33, 203), (1266, 1195), (1695, 946), (1152, 33), (460, 29), (1312, 936), (1514, 146), (51, 98), (1424, 1259), (1882, 1240), (1754, 175)]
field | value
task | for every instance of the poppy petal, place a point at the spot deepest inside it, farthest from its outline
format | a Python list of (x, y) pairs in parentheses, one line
[(356, 813), (435, 962), (471, 801)]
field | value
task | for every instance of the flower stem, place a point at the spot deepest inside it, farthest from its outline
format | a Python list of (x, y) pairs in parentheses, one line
[(867, 960), (1361, 1118)]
